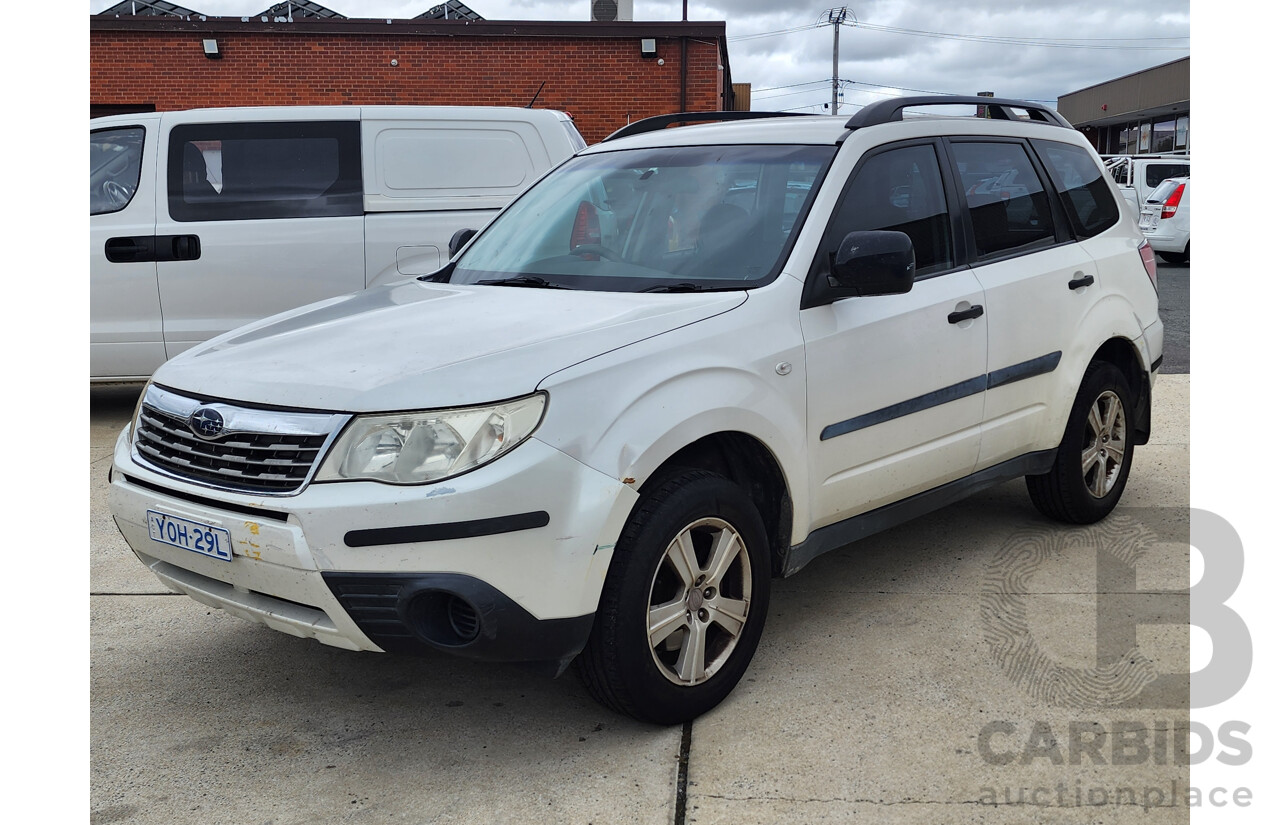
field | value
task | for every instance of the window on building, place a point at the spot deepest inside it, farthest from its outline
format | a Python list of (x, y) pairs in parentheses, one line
[(1181, 132), (1162, 136)]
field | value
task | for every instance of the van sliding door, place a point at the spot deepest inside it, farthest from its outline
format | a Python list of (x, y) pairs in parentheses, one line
[(260, 217)]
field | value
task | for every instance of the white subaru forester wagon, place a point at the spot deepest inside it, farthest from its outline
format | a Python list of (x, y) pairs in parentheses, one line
[(686, 361)]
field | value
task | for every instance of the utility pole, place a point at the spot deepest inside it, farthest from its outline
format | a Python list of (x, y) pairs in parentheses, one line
[(836, 17)]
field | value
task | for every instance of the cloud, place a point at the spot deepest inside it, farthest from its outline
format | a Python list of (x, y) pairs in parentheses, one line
[(875, 53)]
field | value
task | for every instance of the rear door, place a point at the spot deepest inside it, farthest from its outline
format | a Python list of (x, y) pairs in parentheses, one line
[(1038, 280), (125, 336), (259, 216)]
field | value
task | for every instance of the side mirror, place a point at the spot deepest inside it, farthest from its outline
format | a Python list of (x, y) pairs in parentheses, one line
[(460, 239), (873, 263)]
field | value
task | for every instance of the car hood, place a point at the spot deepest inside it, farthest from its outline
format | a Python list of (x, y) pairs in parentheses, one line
[(418, 345)]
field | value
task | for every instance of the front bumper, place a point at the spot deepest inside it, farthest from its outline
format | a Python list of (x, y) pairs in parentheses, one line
[(503, 563)]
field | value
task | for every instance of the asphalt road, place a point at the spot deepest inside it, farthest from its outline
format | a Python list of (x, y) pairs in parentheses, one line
[(1175, 311)]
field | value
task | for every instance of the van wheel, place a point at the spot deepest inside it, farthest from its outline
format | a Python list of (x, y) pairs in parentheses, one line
[(684, 602), (1096, 452)]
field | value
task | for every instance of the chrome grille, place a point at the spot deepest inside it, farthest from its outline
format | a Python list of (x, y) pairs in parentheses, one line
[(261, 451)]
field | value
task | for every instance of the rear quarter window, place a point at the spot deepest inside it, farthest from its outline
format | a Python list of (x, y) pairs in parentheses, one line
[(1081, 187)]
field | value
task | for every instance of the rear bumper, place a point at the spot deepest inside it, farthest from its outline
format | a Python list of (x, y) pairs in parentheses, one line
[(1167, 238)]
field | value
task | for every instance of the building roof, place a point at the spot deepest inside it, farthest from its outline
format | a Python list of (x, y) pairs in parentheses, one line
[(150, 8), (449, 10), (292, 10)]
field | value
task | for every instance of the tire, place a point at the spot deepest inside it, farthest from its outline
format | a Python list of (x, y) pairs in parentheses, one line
[(1090, 472), (1177, 257), (669, 680)]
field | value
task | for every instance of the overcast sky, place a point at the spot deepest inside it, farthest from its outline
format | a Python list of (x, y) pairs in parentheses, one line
[(947, 46)]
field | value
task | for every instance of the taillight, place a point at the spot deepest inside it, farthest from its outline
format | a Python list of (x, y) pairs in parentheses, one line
[(586, 226), (1149, 262), (1170, 207)]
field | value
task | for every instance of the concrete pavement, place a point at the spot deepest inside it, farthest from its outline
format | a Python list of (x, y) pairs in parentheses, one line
[(962, 668)]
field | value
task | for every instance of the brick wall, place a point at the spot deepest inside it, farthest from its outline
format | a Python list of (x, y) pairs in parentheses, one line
[(601, 80)]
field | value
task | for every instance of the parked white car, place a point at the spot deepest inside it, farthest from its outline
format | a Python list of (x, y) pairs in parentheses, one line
[(201, 221), (685, 362), (1166, 220)]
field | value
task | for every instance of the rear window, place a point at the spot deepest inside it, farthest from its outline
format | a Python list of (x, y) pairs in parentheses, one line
[(1080, 186), (1162, 192)]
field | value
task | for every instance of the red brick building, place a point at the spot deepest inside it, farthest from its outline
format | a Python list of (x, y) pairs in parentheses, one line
[(598, 72)]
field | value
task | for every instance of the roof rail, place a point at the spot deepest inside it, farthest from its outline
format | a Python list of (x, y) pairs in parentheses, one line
[(653, 124), (890, 110)]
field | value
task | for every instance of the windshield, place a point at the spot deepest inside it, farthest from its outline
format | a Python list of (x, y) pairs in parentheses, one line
[(671, 219)]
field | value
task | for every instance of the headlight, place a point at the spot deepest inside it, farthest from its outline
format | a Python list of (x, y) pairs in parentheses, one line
[(419, 447), (137, 412)]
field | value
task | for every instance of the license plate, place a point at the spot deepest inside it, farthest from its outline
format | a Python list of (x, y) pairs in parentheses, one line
[(213, 542), (1147, 221)]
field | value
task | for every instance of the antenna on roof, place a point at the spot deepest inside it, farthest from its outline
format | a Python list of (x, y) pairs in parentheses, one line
[(535, 95)]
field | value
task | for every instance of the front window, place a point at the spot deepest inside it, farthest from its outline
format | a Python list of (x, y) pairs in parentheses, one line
[(671, 219), (115, 167)]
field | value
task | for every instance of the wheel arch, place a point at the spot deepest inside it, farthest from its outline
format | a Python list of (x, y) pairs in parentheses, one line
[(749, 463), (1124, 355)]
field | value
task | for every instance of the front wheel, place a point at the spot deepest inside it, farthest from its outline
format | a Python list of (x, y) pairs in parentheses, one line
[(684, 603), (1092, 466)]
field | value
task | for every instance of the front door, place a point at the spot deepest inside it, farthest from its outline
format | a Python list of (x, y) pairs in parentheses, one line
[(896, 381), (125, 337)]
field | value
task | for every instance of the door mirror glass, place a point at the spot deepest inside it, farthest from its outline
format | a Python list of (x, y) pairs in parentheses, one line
[(459, 240)]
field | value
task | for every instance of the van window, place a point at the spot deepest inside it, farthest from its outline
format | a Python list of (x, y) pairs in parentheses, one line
[(248, 171), (1081, 187), (115, 167), (1008, 207), (898, 190), (1157, 172)]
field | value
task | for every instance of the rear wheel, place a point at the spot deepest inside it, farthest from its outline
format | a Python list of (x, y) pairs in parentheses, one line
[(684, 603), (1092, 466)]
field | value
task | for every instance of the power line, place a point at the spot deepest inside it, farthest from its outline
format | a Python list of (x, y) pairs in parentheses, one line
[(1055, 43), (758, 35), (1103, 43)]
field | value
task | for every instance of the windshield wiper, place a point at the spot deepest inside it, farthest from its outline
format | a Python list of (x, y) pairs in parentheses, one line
[(683, 286), (523, 280)]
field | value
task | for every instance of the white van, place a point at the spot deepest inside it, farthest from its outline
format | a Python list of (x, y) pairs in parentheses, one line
[(1138, 175), (204, 220)]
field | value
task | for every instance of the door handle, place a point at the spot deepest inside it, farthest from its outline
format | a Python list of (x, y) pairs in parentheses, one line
[(130, 250), (1077, 283), (153, 248), (965, 314), (181, 247)]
